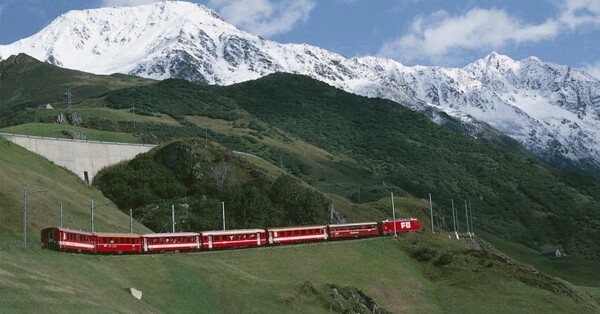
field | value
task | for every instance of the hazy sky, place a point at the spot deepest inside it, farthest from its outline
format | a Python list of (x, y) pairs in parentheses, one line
[(428, 32)]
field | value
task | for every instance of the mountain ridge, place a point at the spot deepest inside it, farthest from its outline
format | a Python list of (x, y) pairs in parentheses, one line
[(553, 110)]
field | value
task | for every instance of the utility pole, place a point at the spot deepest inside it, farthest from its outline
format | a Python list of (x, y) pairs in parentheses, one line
[(454, 219), (130, 220), (471, 217), (431, 213), (25, 194), (61, 214), (223, 208), (25, 217), (92, 216), (394, 214), (69, 95), (133, 115), (467, 217), (173, 217)]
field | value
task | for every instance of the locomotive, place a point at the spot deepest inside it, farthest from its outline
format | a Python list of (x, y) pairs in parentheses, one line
[(68, 240)]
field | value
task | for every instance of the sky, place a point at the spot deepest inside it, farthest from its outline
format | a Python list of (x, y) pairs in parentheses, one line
[(426, 32)]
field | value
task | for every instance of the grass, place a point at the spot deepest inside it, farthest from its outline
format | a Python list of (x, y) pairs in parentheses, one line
[(336, 174), (267, 280), (119, 115), (55, 130), (577, 271), (20, 168)]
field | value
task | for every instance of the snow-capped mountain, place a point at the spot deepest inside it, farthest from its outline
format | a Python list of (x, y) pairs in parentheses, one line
[(553, 110)]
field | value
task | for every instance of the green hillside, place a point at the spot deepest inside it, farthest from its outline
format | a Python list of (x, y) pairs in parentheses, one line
[(26, 83), (293, 279), (417, 273), (386, 147), (48, 186), (198, 175), (56, 130)]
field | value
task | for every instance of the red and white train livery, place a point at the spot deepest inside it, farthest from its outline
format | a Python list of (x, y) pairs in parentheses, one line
[(118, 243)]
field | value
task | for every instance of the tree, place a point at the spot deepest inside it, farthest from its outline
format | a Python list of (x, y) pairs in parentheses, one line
[(223, 175)]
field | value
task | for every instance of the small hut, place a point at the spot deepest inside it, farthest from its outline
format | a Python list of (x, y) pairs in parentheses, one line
[(552, 251)]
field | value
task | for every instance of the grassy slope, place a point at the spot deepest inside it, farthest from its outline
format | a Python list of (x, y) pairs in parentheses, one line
[(27, 80), (19, 168), (243, 281), (584, 274), (55, 131), (263, 281)]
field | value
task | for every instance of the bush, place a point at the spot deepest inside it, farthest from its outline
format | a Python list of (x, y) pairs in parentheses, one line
[(424, 253), (444, 260)]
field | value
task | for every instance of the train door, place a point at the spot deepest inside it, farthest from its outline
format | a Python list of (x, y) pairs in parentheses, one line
[(258, 238), (210, 241), (145, 244), (50, 236), (271, 237)]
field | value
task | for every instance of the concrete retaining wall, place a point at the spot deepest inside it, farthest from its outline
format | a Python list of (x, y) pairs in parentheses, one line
[(81, 157)]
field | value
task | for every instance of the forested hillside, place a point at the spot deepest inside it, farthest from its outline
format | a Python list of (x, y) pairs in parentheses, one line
[(514, 197), (197, 176)]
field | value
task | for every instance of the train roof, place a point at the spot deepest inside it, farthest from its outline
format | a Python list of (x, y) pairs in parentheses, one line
[(234, 231), (354, 224), (116, 235), (401, 219), (176, 234), (70, 230), (296, 228)]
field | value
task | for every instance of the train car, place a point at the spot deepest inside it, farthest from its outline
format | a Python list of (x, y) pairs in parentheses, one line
[(402, 225), (68, 240), (297, 234), (353, 230), (233, 238), (159, 242), (118, 243)]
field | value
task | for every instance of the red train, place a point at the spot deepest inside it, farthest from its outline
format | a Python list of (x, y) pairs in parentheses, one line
[(118, 243)]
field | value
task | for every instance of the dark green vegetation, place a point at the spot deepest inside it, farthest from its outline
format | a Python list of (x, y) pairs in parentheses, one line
[(517, 198), (26, 83), (364, 148), (198, 176)]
